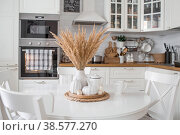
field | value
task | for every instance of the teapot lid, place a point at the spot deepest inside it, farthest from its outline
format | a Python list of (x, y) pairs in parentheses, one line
[(95, 76)]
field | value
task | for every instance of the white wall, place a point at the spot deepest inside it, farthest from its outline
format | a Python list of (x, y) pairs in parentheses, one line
[(169, 37)]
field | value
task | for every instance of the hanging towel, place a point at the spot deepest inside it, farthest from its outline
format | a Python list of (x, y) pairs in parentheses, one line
[(39, 59)]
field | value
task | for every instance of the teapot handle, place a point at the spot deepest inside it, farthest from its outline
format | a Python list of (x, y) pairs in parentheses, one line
[(88, 81)]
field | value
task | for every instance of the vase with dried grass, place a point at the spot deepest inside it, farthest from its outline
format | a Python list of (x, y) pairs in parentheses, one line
[(80, 50)]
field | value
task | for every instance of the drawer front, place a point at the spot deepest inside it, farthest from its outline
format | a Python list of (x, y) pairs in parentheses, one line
[(132, 84), (127, 72), (165, 71), (66, 70), (38, 85)]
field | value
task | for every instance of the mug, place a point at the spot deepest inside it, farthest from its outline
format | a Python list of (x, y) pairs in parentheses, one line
[(121, 59)]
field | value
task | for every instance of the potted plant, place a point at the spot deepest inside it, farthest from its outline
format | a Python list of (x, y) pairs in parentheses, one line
[(121, 41), (80, 51)]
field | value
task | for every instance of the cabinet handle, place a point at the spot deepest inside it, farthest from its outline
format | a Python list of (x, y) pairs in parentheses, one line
[(141, 90), (11, 65), (13, 68), (128, 81), (128, 68), (7, 69), (93, 69), (42, 82)]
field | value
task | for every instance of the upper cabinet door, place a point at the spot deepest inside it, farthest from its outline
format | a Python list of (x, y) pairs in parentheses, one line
[(152, 15), (114, 14), (40, 6), (172, 10), (9, 32), (132, 15)]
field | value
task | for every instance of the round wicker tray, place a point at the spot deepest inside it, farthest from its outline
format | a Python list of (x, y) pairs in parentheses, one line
[(85, 98)]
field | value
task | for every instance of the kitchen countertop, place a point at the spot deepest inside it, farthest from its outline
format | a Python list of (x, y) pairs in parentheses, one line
[(162, 66)]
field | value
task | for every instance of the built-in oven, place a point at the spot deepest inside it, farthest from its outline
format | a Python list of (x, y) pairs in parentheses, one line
[(39, 62), (38, 52)]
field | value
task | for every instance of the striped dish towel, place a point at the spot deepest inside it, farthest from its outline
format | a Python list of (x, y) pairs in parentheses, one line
[(38, 59)]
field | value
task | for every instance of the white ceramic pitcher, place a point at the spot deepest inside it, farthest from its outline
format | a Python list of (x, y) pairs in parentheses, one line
[(94, 83)]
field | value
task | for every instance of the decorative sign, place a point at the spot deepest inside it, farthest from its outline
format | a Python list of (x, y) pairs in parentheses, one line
[(72, 6)]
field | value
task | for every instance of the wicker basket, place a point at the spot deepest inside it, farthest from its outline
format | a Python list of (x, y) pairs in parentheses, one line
[(159, 57)]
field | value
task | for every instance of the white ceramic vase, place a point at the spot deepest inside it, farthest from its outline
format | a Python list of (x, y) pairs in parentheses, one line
[(75, 86), (81, 77)]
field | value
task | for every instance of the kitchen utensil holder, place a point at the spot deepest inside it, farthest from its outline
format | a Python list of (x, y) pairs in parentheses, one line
[(167, 57), (172, 58)]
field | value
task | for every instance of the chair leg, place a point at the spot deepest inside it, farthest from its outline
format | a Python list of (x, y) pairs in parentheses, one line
[(147, 117)]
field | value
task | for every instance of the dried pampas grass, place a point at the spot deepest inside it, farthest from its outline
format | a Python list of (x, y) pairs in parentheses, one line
[(79, 49)]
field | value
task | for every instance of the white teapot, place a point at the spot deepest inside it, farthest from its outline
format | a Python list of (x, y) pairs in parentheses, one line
[(94, 83)]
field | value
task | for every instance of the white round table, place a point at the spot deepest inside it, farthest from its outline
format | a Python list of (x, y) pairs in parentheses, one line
[(128, 106)]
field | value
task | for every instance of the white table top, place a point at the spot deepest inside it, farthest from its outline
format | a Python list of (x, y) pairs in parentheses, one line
[(131, 105)]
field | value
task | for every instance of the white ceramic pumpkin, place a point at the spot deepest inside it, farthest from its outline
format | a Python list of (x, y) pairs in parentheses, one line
[(75, 86), (86, 90)]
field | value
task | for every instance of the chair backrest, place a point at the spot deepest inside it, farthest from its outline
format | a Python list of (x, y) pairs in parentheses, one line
[(25, 103), (163, 90), (5, 84)]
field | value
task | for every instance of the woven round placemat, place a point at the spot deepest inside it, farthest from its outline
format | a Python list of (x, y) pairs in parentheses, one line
[(85, 98)]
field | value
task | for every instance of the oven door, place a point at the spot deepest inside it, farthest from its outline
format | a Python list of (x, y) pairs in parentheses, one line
[(38, 28), (39, 62)]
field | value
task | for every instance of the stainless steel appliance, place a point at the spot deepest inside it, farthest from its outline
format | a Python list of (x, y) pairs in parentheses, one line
[(38, 25), (97, 59), (38, 52)]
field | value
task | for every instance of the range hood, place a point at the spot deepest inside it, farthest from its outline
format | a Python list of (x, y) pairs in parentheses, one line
[(89, 15)]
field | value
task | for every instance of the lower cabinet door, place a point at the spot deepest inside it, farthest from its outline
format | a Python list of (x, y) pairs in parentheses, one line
[(38, 85), (10, 74), (132, 84)]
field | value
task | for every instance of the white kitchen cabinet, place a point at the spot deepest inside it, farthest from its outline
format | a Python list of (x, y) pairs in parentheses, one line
[(38, 85), (127, 72), (132, 15), (123, 15), (172, 11), (135, 15), (40, 6), (132, 84), (132, 76), (9, 31), (114, 14), (152, 15), (9, 74)]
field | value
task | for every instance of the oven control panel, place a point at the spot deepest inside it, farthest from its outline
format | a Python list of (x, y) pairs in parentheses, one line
[(38, 43)]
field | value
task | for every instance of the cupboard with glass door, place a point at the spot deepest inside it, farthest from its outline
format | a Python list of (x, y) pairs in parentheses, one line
[(114, 14), (122, 15), (152, 15), (134, 15)]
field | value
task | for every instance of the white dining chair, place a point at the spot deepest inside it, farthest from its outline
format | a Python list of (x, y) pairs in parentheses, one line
[(162, 88), (25, 106), (6, 85)]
